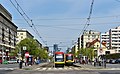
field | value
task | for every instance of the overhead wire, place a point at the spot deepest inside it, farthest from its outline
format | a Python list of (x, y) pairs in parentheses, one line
[(27, 19), (75, 18), (88, 19)]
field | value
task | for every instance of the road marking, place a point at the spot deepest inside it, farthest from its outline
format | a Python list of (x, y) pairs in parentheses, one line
[(70, 68), (6, 68), (60, 68), (76, 68), (37, 69), (44, 68), (49, 68), (56, 69)]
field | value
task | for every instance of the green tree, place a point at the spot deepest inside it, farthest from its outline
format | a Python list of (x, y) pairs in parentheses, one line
[(89, 52), (32, 47), (83, 51)]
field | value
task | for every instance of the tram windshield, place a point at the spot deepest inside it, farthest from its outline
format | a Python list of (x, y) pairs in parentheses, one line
[(59, 57), (69, 57)]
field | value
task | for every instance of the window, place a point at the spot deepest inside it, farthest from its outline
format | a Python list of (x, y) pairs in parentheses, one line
[(59, 57), (21, 33), (21, 37), (69, 57)]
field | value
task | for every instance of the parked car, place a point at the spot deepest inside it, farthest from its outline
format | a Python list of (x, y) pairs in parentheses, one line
[(112, 61), (117, 61), (5, 62), (12, 61)]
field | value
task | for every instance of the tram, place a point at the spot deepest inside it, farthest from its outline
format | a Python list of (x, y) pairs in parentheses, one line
[(59, 59), (69, 59)]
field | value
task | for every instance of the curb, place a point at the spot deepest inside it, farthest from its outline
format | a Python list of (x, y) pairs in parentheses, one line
[(90, 67), (33, 66)]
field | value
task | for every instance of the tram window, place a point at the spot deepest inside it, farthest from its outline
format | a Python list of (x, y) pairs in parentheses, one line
[(69, 57), (59, 57)]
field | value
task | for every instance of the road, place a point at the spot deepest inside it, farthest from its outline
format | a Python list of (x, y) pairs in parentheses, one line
[(113, 65), (9, 65), (62, 72), (50, 69)]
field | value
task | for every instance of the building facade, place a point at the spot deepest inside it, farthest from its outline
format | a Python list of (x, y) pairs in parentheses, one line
[(8, 33), (105, 38), (114, 39), (88, 36), (39, 44), (75, 50), (22, 34), (99, 47)]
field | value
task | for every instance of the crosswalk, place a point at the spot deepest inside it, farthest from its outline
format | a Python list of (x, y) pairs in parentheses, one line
[(7, 69), (56, 69)]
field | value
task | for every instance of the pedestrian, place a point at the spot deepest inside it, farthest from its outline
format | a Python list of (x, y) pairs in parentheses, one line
[(104, 60), (20, 64), (95, 61)]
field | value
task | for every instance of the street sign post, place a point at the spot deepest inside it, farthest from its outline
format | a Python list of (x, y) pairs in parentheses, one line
[(24, 47)]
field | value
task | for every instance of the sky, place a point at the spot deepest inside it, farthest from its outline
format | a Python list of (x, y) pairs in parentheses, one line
[(61, 21)]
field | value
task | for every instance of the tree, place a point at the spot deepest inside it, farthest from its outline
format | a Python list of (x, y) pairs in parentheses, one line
[(83, 51), (32, 47), (89, 52)]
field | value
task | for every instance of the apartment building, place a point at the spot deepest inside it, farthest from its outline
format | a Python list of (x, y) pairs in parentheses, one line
[(105, 38), (39, 44), (114, 39), (8, 33), (75, 50), (22, 34), (88, 36)]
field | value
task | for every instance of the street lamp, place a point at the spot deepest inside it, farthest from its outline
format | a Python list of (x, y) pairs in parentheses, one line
[(24, 49)]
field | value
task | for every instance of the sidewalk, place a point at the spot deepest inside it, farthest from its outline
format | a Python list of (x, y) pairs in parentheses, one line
[(90, 67), (33, 66)]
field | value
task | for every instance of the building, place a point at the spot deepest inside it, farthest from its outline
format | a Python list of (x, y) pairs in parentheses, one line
[(88, 36), (8, 33), (22, 34), (39, 44), (75, 50), (99, 47), (114, 39), (46, 49), (105, 38)]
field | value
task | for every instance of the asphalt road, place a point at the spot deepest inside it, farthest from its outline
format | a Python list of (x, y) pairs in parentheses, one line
[(62, 72), (9, 65), (113, 65), (72, 70)]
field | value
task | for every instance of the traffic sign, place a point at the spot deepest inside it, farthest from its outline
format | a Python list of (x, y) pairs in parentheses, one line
[(24, 47), (27, 54)]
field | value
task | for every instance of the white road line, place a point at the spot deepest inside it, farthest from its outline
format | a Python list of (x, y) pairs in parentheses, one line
[(70, 68), (76, 68), (49, 68), (37, 69), (65, 68), (44, 68), (54, 69), (60, 68), (6, 68)]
